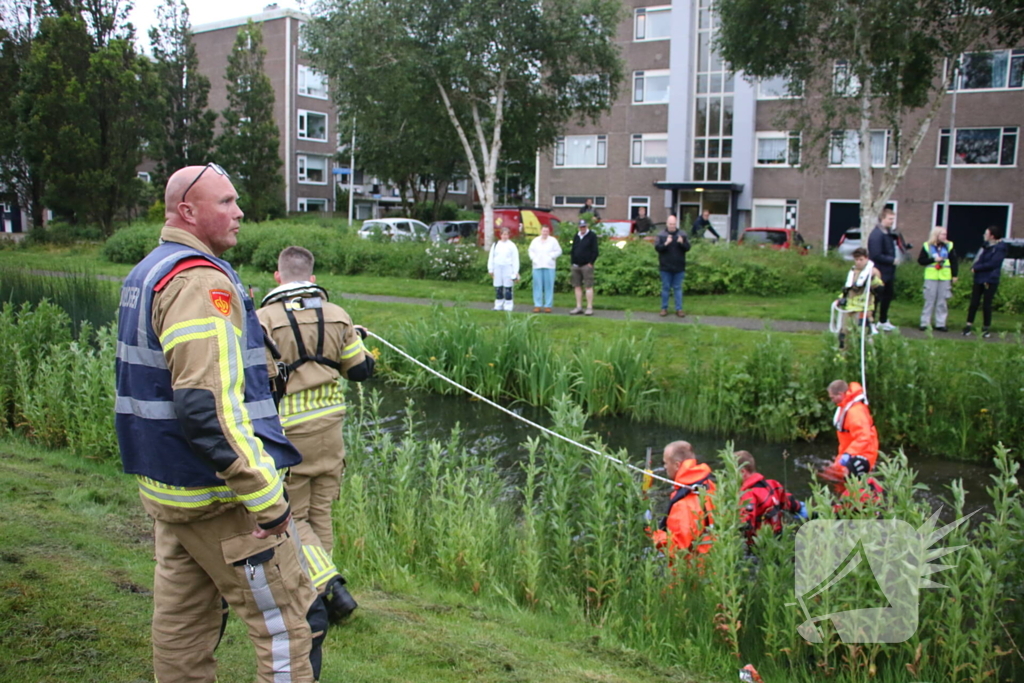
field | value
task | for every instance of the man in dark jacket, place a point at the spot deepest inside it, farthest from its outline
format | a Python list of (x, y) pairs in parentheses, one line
[(643, 222), (882, 252), (988, 265), (672, 246), (583, 255), (588, 207), (701, 224)]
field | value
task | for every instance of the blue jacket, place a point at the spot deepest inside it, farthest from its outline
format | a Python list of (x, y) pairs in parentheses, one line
[(882, 252), (988, 264)]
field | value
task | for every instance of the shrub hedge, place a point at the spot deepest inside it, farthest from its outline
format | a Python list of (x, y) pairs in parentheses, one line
[(631, 270)]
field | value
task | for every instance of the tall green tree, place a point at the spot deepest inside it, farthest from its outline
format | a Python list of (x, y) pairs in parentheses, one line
[(249, 142), (186, 137), (899, 59), (502, 70)]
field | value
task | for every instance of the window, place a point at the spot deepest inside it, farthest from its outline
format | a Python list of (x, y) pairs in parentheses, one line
[(778, 149), (980, 147), (459, 186), (1000, 69), (774, 213), (144, 176), (653, 23), (650, 149), (312, 83), (311, 204), (636, 203), (845, 82), (844, 149), (650, 87), (581, 151), (312, 125), (713, 103), (312, 169), (777, 88), (563, 200)]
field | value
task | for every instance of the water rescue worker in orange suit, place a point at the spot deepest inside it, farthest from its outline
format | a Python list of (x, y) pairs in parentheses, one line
[(858, 439), (762, 500), (690, 505)]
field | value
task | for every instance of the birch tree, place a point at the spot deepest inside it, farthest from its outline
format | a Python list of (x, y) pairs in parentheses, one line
[(863, 65), (501, 69)]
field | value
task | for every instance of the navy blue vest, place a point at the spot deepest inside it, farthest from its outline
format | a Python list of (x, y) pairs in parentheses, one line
[(151, 439)]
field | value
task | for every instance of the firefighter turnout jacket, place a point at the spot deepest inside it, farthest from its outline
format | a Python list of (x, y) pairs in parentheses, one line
[(195, 419)]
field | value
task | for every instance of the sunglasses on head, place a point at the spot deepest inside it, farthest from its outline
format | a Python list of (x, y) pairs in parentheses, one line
[(216, 168)]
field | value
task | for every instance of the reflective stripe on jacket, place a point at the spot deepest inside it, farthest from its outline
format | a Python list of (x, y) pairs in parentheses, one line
[(937, 271), (194, 416)]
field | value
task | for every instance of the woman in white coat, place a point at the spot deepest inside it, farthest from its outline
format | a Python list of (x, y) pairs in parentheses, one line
[(503, 266), (544, 250)]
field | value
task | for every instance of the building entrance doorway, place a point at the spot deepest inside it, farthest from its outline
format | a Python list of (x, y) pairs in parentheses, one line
[(688, 213)]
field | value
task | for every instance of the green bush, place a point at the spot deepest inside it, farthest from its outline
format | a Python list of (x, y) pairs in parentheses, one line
[(63, 234), (424, 211), (156, 212), (131, 244)]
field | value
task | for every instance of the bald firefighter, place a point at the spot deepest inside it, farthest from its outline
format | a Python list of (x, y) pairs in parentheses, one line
[(319, 345), (197, 426)]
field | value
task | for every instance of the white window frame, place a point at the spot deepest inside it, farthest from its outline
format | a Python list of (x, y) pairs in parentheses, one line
[(305, 91), (600, 151), (762, 95), (638, 141), (844, 83), (463, 183), (774, 203), (643, 76), (828, 219), (305, 201), (302, 129), (1014, 53), (1003, 132), (302, 166), (788, 136), (144, 176), (640, 22), (637, 202), (599, 201), (855, 162)]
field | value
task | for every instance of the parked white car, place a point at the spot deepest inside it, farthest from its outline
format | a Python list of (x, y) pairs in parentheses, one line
[(852, 239), (399, 229)]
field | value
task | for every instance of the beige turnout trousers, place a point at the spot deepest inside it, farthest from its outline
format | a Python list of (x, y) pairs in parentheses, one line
[(261, 580)]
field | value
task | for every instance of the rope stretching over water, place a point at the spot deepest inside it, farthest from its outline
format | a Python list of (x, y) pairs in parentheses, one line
[(505, 410)]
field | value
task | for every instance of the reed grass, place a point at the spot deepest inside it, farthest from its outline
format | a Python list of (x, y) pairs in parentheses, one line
[(78, 292), (568, 540)]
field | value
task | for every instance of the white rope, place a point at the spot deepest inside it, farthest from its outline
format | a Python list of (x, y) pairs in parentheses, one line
[(516, 416), (835, 326)]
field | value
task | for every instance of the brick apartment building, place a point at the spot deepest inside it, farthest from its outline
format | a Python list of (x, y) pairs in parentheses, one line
[(687, 135)]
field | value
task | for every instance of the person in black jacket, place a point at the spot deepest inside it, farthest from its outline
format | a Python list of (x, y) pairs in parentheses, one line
[(672, 246), (882, 252), (643, 222), (701, 224), (588, 207), (583, 255), (988, 265)]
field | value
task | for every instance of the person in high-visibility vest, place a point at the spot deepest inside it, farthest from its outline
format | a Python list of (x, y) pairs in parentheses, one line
[(941, 267)]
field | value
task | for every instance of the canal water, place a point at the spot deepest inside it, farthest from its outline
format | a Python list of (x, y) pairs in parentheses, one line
[(487, 430)]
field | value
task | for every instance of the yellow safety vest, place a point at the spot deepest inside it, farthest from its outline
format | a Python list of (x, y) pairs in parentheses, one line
[(934, 271)]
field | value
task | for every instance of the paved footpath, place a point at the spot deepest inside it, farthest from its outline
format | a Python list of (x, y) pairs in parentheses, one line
[(713, 320)]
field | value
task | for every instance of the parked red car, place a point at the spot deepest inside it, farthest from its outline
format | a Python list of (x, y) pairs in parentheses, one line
[(524, 222), (774, 238)]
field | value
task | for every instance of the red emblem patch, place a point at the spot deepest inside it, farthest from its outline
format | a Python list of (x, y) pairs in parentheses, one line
[(221, 301)]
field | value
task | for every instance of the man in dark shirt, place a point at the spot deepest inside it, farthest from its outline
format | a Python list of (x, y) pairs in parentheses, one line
[(588, 207), (583, 255), (882, 252), (643, 223), (672, 246), (701, 224)]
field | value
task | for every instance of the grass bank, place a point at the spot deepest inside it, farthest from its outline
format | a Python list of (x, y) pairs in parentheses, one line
[(75, 595)]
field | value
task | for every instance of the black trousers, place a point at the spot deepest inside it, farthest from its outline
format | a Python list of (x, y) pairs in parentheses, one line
[(886, 294), (979, 292)]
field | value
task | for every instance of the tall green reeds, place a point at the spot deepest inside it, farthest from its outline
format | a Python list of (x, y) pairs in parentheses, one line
[(85, 298), (569, 539)]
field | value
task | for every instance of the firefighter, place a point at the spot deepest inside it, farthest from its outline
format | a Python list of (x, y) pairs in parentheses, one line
[(763, 501), (196, 425), (688, 520), (319, 344)]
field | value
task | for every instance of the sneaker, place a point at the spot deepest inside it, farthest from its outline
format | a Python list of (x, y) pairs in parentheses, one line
[(576, 311), (536, 309), (664, 312), (874, 328), (986, 333), (589, 311), (886, 327), (968, 329), (547, 310), (942, 329)]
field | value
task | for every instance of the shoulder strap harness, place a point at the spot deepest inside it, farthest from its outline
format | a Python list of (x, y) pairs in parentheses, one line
[(299, 296), (683, 492)]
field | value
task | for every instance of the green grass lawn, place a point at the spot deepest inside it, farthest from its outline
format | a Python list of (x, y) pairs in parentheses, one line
[(76, 574)]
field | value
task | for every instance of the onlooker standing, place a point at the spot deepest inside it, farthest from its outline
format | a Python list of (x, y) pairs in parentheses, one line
[(588, 207), (583, 254), (987, 267), (702, 224), (940, 272), (543, 251), (882, 252), (672, 246), (503, 266), (643, 223)]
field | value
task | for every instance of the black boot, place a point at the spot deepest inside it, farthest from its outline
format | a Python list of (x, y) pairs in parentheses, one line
[(338, 601)]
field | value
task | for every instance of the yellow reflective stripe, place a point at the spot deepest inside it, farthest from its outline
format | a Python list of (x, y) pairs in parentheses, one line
[(352, 349), (302, 403), (299, 418), (321, 568), (196, 497), (184, 330)]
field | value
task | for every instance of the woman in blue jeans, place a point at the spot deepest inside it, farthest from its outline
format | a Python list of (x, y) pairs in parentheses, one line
[(672, 246), (543, 251)]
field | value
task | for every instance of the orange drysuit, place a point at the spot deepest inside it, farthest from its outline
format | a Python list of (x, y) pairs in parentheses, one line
[(855, 428), (687, 520)]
